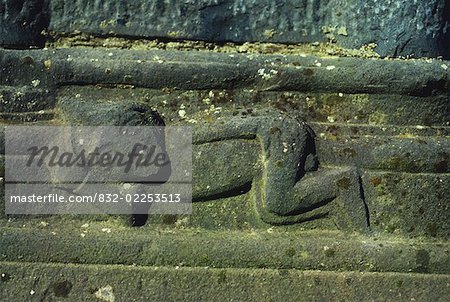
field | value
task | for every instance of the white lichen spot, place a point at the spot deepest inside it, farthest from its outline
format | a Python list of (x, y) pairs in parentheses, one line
[(106, 230), (126, 186), (173, 34), (110, 54), (83, 235), (445, 67), (32, 292), (285, 147), (35, 83), (331, 67), (330, 119), (318, 64), (341, 94), (158, 59), (267, 74), (86, 225), (105, 294), (261, 72), (182, 113), (215, 110), (270, 230), (47, 64), (342, 31), (269, 33), (43, 223), (420, 127)]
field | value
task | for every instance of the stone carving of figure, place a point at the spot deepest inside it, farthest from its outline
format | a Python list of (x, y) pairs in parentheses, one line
[(291, 187)]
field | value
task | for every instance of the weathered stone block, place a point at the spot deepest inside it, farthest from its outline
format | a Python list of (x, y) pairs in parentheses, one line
[(408, 204), (399, 28), (40, 281), (21, 22)]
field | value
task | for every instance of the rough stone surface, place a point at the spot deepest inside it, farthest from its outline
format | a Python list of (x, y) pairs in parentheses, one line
[(21, 22), (50, 282), (399, 28), (201, 71), (407, 204), (175, 244), (395, 119), (366, 130)]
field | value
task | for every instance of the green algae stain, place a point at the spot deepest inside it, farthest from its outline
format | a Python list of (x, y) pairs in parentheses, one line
[(222, 277), (344, 183), (290, 252), (378, 118), (422, 261), (304, 254)]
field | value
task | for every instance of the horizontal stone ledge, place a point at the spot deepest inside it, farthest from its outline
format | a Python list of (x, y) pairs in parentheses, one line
[(356, 110), (388, 153), (24, 280), (189, 70), (330, 251), (369, 130), (27, 117)]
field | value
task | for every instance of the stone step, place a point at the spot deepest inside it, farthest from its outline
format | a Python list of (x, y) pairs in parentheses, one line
[(89, 242), (26, 117), (24, 281), (203, 70), (364, 110)]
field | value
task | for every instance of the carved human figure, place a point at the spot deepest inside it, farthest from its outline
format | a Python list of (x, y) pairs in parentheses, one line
[(290, 184), (273, 152)]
